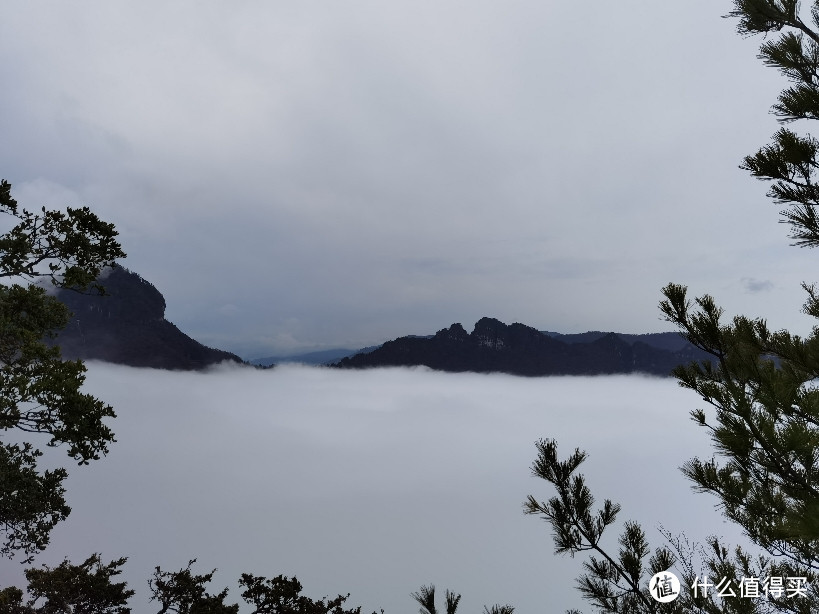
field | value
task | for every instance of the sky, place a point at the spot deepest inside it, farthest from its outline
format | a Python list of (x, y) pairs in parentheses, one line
[(299, 176), (371, 482)]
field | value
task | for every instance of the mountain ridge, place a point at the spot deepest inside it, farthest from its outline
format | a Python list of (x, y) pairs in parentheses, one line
[(518, 349), (127, 326)]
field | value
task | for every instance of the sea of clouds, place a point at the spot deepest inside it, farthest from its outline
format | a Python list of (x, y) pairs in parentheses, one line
[(371, 482)]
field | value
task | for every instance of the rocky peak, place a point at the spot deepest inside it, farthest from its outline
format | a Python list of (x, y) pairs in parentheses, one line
[(456, 332), (127, 326)]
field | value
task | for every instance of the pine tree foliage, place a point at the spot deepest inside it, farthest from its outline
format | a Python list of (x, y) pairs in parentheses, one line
[(790, 161), (761, 393), (612, 582), (425, 596), (426, 599)]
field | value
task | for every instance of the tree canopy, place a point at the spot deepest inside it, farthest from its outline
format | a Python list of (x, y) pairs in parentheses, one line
[(89, 588), (39, 392)]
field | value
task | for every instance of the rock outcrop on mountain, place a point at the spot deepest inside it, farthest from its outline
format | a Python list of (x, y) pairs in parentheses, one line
[(127, 326), (493, 346)]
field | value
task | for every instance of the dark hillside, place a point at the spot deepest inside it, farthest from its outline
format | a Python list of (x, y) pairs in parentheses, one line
[(493, 346), (127, 326)]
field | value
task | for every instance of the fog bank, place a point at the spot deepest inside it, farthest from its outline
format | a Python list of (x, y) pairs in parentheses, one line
[(371, 482)]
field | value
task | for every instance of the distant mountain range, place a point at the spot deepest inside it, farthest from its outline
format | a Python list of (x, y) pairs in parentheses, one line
[(127, 326), (493, 346)]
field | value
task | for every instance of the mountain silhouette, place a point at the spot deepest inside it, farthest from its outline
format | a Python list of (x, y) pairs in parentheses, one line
[(493, 346), (127, 326)]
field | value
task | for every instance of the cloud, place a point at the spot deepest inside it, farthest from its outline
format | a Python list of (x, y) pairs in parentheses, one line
[(395, 168), (229, 310), (755, 285), (370, 482)]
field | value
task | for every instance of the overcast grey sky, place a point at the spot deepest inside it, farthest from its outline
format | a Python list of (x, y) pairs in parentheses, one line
[(372, 482), (299, 175)]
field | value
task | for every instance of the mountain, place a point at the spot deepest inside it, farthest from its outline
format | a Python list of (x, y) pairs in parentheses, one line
[(493, 346), (673, 342), (127, 326)]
